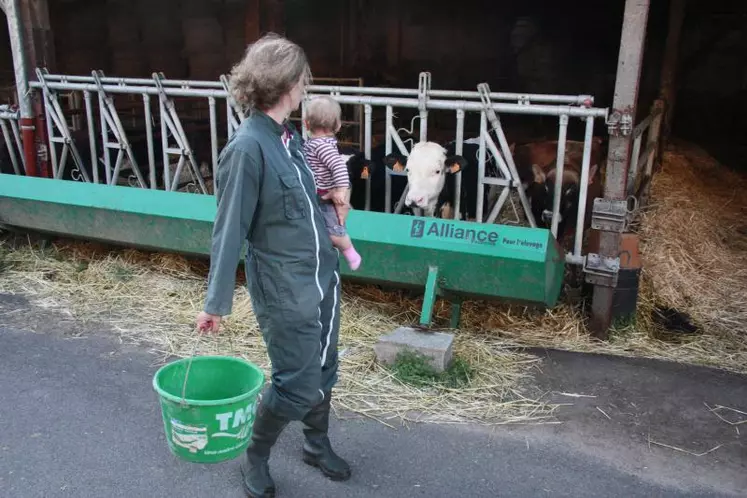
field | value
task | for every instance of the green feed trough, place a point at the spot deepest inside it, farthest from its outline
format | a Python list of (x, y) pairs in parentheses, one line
[(452, 259)]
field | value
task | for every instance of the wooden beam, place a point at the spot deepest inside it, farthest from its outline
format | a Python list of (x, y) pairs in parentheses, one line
[(635, 19), (252, 21), (273, 16), (669, 67)]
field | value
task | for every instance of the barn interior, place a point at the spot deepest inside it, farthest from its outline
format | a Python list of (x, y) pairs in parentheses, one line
[(693, 240), (532, 46)]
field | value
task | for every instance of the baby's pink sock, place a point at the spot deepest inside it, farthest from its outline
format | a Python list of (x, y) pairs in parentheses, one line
[(354, 259)]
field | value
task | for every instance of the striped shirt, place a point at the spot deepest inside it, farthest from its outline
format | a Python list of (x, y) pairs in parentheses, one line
[(330, 170)]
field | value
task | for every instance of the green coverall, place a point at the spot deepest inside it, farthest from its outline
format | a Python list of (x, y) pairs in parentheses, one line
[(266, 196)]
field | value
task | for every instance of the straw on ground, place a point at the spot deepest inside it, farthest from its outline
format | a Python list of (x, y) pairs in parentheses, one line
[(693, 248)]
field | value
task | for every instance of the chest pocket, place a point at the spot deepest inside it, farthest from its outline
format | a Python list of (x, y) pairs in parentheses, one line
[(294, 199)]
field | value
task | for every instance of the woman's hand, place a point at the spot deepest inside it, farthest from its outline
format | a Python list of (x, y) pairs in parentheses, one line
[(207, 322)]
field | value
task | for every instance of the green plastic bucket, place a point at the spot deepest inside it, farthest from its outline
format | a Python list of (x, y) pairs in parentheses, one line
[(212, 421)]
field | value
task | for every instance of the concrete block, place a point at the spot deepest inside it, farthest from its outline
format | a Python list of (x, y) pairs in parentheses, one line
[(434, 345)]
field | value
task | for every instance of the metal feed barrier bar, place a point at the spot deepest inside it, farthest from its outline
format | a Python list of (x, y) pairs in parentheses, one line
[(489, 106), (12, 137)]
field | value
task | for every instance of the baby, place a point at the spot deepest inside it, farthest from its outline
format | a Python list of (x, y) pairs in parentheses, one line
[(323, 121)]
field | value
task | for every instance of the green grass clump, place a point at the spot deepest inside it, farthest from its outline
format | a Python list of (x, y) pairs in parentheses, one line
[(414, 368)]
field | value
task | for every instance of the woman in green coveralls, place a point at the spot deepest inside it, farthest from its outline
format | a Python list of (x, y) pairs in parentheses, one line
[(267, 199)]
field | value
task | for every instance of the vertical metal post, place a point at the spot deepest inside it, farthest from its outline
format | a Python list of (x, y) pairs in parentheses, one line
[(584, 192), (459, 150), (387, 151), (91, 136), (149, 141), (213, 137), (368, 111), (635, 19), (20, 69), (559, 166), (481, 167), (424, 86)]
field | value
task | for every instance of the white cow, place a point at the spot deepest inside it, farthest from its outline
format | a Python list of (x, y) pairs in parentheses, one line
[(429, 171)]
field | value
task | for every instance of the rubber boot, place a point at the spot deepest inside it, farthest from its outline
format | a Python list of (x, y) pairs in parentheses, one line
[(317, 450), (255, 468)]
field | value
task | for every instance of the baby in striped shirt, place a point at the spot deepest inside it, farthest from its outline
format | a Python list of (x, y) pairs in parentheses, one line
[(323, 121)]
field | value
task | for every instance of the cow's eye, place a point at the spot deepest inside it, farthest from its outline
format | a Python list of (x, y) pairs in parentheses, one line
[(438, 171)]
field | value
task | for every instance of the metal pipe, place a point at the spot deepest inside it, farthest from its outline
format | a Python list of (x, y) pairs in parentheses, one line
[(149, 141), (586, 100), (213, 138), (559, 165), (368, 111), (387, 151), (523, 109), (20, 70), (459, 150), (91, 136), (584, 191), (481, 167)]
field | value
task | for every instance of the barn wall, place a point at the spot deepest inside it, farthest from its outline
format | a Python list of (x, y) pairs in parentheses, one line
[(528, 46), (711, 105)]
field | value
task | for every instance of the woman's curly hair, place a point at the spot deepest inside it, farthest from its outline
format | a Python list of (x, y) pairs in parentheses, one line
[(270, 68)]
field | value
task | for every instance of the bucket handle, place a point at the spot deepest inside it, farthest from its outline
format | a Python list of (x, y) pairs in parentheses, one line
[(189, 364)]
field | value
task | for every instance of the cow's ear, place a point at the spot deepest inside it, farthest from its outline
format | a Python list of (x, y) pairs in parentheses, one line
[(539, 175), (367, 168), (455, 164), (592, 173), (396, 162)]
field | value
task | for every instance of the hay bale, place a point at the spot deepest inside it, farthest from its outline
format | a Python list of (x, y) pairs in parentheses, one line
[(693, 242)]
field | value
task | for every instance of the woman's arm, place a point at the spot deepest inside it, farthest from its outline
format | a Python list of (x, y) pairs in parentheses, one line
[(237, 191)]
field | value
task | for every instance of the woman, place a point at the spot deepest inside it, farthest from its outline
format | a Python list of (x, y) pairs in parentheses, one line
[(267, 198)]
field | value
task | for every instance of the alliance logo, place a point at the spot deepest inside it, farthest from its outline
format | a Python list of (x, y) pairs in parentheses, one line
[(417, 230), (444, 230)]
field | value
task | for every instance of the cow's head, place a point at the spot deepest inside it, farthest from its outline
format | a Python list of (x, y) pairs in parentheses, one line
[(427, 167), (542, 193), (359, 168)]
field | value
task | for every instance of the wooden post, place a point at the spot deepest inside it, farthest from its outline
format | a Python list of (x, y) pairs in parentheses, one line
[(622, 117), (252, 30), (669, 67), (39, 52), (273, 18)]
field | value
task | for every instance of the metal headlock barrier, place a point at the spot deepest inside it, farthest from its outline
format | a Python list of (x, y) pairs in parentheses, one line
[(424, 99), (12, 138)]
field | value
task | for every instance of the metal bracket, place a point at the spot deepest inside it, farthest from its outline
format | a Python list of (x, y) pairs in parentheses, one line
[(620, 123), (424, 87), (601, 270), (611, 215)]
